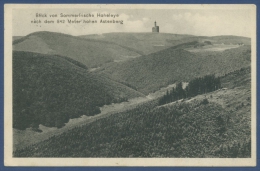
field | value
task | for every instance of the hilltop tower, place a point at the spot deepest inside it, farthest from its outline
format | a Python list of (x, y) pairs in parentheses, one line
[(155, 29)]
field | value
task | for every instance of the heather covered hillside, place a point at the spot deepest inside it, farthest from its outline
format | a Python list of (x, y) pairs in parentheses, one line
[(96, 50), (131, 95), (147, 43), (151, 72), (219, 128), (91, 53), (51, 89), (231, 40)]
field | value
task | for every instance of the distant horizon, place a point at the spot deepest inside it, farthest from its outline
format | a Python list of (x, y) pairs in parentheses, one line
[(128, 32)]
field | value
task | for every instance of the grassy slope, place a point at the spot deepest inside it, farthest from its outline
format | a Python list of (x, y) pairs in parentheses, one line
[(147, 43), (92, 53), (95, 50), (149, 73), (189, 128), (231, 39), (51, 89)]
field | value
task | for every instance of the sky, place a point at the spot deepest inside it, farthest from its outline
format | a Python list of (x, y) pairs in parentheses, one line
[(200, 22)]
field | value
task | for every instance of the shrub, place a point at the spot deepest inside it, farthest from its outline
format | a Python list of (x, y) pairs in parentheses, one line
[(205, 101)]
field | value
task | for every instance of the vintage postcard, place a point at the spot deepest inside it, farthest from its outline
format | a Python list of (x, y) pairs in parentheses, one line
[(130, 85)]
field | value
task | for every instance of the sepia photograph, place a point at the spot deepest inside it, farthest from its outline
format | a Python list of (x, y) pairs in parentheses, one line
[(130, 85)]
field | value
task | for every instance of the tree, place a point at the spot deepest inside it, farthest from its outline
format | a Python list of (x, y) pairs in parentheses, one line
[(195, 87)]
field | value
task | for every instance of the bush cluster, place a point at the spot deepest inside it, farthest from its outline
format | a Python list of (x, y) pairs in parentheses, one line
[(195, 87)]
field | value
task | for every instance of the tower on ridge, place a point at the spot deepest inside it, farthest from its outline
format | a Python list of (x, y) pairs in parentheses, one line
[(155, 29)]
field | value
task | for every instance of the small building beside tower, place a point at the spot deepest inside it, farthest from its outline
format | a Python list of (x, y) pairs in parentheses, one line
[(155, 29)]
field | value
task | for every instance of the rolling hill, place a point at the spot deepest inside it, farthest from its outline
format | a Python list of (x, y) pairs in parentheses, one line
[(151, 72), (51, 89), (147, 43), (59, 77), (231, 39), (187, 128), (91, 53), (96, 50)]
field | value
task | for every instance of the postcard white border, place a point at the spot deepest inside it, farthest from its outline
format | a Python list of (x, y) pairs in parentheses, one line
[(9, 160)]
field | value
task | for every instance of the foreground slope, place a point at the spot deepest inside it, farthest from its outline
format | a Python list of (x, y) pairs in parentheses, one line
[(92, 53), (151, 72), (49, 90), (188, 128)]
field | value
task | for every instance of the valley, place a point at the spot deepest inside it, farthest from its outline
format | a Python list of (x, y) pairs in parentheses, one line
[(85, 96), (194, 119), (59, 89), (24, 138)]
